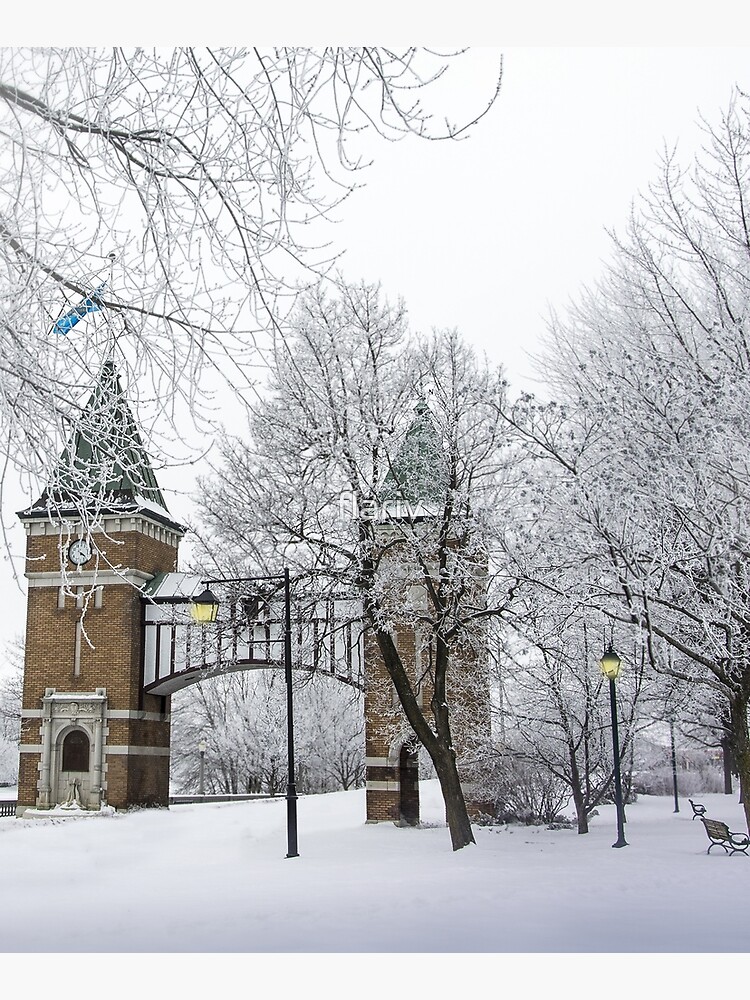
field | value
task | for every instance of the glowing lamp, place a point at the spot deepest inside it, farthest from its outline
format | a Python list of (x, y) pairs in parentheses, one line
[(204, 608), (610, 663)]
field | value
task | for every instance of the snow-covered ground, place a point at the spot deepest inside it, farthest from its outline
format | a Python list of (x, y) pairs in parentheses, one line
[(214, 878)]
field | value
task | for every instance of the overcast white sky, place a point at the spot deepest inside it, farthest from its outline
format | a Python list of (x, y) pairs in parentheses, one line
[(486, 234)]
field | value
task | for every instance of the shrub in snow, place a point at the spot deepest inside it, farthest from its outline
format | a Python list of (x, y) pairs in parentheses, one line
[(658, 781), (516, 791)]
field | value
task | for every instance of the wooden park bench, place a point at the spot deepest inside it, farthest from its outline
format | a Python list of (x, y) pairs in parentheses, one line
[(721, 836), (698, 809)]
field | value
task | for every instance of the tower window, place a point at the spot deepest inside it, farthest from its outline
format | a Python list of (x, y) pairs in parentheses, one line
[(75, 751)]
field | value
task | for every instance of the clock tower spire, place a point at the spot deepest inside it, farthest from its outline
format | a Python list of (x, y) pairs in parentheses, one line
[(97, 534)]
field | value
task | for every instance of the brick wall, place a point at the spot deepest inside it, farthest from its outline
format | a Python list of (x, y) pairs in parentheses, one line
[(111, 658)]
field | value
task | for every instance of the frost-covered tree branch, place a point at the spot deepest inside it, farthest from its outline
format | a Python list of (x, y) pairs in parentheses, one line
[(329, 481), (184, 192), (645, 448)]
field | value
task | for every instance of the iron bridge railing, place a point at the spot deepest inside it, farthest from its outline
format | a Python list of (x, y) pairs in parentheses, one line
[(327, 637)]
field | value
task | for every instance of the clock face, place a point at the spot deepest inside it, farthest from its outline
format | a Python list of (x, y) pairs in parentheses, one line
[(79, 551)]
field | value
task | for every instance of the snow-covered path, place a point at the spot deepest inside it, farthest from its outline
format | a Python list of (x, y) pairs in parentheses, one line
[(214, 878)]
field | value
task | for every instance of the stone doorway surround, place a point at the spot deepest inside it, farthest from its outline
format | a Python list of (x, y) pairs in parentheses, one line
[(63, 712)]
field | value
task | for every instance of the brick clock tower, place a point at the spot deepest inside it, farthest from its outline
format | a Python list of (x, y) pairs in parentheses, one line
[(96, 536)]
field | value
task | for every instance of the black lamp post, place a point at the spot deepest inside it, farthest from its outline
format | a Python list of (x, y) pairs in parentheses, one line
[(204, 609), (201, 772), (291, 787), (610, 667)]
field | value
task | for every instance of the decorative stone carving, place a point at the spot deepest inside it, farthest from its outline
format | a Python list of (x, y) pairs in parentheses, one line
[(62, 712)]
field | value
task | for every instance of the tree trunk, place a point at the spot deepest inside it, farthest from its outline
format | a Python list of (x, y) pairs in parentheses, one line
[(456, 813), (741, 749), (578, 797), (437, 744), (726, 754), (580, 803), (581, 814)]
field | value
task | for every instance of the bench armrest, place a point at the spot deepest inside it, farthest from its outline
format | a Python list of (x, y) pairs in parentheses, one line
[(741, 839)]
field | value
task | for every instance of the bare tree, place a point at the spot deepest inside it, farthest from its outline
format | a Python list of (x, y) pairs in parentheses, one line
[(648, 438), (331, 736), (328, 481), (555, 703), (240, 718), (168, 200), (11, 685)]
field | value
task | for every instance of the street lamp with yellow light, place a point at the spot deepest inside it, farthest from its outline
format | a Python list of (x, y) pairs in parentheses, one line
[(610, 664), (204, 608)]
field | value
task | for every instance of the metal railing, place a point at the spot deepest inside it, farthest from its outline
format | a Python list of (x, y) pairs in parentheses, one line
[(327, 638), (8, 807), (180, 800)]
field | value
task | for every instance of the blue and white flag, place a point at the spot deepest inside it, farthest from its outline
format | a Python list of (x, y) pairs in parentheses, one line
[(92, 304)]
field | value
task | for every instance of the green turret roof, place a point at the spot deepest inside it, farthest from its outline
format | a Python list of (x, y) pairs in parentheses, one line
[(418, 472), (105, 463)]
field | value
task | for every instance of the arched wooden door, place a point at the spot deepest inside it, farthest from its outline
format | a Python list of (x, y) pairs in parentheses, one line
[(408, 772), (74, 778)]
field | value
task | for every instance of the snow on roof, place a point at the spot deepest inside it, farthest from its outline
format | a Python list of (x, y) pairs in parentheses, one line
[(105, 465), (169, 586), (418, 472), (146, 506)]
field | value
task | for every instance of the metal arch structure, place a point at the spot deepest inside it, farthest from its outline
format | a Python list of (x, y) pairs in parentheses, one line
[(327, 633)]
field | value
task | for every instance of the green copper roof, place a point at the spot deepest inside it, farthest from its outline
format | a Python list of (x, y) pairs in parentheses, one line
[(106, 459), (418, 472)]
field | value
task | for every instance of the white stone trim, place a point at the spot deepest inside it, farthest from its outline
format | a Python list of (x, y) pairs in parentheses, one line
[(30, 748), (383, 786), (377, 761), (92, 697), (126, 713), (136, 751), (77, 651), (108, 525), (89, 578), (114, 713)]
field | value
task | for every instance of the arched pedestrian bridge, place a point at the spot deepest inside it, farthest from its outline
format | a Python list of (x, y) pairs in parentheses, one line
[(327, 633)]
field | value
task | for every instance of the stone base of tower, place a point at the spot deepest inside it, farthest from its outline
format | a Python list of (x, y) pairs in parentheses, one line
[(78, 751), (382, 792), (138, 781), (382, 806), (392, 793), (133, 783), (392, 796), (137, 755), (28, 775)]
